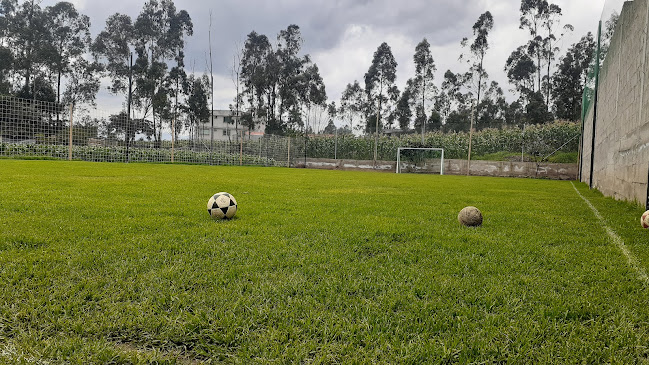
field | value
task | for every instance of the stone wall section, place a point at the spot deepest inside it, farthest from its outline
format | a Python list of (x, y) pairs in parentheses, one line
[(555, 171), (621, 159)]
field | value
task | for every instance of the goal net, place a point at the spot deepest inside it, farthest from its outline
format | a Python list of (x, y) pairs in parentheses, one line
[(420, 160)]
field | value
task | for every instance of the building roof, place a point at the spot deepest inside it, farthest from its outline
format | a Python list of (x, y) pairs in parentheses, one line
[(221, 112)]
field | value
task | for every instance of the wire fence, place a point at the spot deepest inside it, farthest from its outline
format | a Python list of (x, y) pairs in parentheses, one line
[(36, 129)]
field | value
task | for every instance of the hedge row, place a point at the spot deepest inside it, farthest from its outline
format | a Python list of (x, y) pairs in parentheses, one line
[(537, 140)]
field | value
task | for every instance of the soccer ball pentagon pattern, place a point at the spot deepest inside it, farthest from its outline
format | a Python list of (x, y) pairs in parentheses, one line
[(470, 216), (644, 220), (222, 206)]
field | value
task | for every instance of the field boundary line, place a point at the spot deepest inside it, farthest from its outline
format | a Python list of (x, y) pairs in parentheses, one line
[(633, 262)]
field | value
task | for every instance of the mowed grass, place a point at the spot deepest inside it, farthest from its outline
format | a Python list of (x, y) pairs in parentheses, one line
[(120, 263)]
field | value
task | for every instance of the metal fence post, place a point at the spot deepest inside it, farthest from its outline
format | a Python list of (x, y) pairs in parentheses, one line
[(288, 153), (592, 148), (70, 138), (173, 133), (336, 146)]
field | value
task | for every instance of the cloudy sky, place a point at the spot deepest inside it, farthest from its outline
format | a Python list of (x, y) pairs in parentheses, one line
[(342, 35)]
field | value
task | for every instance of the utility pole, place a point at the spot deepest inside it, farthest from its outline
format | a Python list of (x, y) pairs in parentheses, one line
[(212, 89)]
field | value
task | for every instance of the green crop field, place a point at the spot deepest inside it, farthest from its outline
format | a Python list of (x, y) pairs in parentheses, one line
[(120, 263)]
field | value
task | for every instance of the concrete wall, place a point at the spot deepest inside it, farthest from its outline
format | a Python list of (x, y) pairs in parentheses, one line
[(621, 158), (556, 171)]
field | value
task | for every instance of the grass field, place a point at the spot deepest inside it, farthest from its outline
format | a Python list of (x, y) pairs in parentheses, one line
[(120, 263)]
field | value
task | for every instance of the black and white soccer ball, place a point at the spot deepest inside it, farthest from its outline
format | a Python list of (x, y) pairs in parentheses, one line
[(222, 206)]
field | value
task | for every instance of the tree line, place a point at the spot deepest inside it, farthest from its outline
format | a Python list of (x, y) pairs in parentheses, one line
[(282, 88), (48, 54)]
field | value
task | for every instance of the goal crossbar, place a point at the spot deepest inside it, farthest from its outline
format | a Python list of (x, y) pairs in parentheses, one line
[(441, 171)]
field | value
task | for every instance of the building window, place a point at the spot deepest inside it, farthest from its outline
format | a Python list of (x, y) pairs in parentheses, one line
[(225, 132)]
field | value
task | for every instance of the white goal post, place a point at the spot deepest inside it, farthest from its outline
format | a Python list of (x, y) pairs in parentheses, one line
[(441, 169)]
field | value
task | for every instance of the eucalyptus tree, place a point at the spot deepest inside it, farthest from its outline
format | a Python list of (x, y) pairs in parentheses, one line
[(330, 128), (196, 107), (278, 83), (113, 46), (115, 127), (311, 89), (28, 36), (82, 83), (410, 105), (6, 61), (541, 19), (608, 29), (477, 75), (254, 61), (520, 70), (570, 78), (424, 91), (531, 18), (551, 23), (160, 32), (379, 86), (443, 105), (403, 110), (456, 104), (70, 44), (176, 84), (332, 112), (25, 48), (7, 10), (352, 103), (70, 35), (492, 108), (536, 110), (290, 73)]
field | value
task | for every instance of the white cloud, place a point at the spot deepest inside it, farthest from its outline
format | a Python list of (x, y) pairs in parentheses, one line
[(350, 59), (224, 91)]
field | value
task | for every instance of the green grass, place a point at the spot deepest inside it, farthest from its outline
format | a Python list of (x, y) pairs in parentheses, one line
[(120, 263), (564, 157), (558, 157)]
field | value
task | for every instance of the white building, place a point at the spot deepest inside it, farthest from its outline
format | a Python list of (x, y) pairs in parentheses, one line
[(224, 128)]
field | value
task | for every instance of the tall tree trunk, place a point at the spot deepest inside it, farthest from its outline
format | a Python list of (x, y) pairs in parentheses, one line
[(376, 131), (28, 48), (58, 85), (58, 97), (538, 69), (423, 109), (547, 100), (269, 112), (477, 102)]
